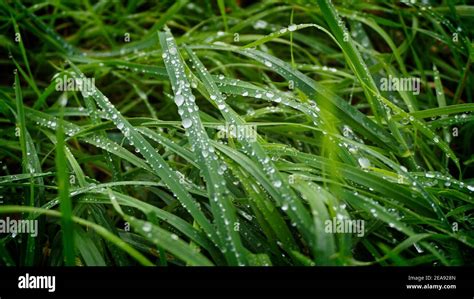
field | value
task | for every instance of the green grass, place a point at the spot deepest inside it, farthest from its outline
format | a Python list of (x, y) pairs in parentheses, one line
[(137, 170)]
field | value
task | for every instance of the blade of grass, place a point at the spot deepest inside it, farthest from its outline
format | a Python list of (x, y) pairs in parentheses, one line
[(64, 200), (221, 203)]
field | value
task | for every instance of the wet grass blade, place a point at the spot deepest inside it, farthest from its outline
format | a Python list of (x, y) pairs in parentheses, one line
[(62, 176), (221, 203)]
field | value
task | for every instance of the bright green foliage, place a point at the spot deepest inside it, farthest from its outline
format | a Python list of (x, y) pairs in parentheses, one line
[(233, 133)]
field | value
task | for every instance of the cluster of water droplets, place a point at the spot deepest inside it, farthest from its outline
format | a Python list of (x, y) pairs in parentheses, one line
[(432, 179), (324, 68), (200, 143)]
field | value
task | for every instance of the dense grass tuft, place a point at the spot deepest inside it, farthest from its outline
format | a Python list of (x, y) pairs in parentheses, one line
[(237, 133)]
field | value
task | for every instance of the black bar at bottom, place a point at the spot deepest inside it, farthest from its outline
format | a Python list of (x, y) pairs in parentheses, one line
[(192, 282)]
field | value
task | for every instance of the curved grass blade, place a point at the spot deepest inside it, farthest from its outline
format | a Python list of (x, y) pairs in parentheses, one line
[(221, 202)]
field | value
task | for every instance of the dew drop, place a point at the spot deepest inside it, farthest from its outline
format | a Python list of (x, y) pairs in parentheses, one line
[(418, 248), (364, 162), (187, 123), (179, 100), (146, 227)]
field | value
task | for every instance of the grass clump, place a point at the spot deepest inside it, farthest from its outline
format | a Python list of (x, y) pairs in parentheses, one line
[(233, 133)]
